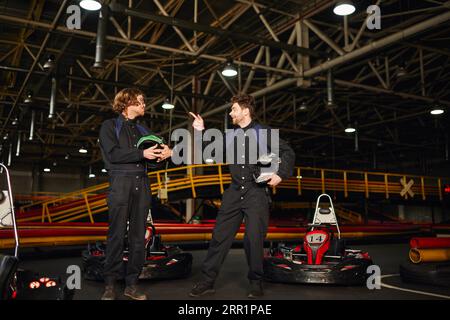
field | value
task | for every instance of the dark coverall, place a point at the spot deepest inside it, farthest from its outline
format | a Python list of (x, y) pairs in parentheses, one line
[(129, 198), (244, 198)]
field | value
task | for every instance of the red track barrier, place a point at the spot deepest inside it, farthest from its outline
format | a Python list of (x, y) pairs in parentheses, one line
[(423, 243)]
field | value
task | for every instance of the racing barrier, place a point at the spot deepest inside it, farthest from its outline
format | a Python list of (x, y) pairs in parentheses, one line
[(429, 255), (88, 202), (429, 262), (424, 243), (429, 249), (36, 234)]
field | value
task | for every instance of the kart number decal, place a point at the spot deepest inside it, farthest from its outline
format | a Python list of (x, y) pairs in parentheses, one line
[(316, 238)]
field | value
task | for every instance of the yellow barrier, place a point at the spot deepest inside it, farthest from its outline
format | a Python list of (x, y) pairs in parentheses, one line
[(76, 240), (429, 255), (183, 178)]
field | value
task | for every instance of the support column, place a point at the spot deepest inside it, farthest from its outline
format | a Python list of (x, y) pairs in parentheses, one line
[(445, 215), (401, 212), (366, 211), (35, 179), (433, 220), (303, 61), (191, 203)]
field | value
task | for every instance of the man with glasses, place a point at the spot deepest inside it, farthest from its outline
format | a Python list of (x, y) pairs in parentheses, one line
[(129, 197)]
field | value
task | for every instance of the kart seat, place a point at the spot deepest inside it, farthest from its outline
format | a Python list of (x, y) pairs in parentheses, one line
[(8, 266), (316, 243), (324, 211)]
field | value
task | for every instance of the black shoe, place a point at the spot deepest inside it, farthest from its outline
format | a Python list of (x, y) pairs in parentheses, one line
[(134, 293), (202, 288), (109, 293), (255, 289)]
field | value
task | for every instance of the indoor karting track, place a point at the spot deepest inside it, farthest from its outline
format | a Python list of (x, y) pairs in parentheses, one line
[(232, 283)]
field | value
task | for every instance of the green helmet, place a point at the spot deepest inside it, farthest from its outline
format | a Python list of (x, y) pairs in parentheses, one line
[(146, 142), (149, 141)]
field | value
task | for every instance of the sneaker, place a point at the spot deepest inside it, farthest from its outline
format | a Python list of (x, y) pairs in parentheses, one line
[(255, 289), (109, 293), (134, 293), (202, 288)]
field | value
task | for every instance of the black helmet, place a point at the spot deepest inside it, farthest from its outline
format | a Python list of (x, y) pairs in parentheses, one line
[(149, 141)]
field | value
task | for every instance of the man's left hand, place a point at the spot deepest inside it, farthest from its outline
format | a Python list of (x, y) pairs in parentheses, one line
[(274, 180), (165, 153)]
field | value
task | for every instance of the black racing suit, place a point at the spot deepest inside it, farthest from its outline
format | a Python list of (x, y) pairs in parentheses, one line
[(129, 197), (244, 198)]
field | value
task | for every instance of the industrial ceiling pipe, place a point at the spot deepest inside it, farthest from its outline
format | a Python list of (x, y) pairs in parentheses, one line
[(53, 26), (101, 38), (120, 8), (142, 44), (17, 69), (121, 84), (33, 118), (51, 112), (18, 144), (375, 45), (369, 48), (9, 154), (225, 121), (330, 89)]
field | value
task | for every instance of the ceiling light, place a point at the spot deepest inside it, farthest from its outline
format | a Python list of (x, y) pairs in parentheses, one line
[(91, 5), (91, 174), (401, 72), (437, 111), (104, 170), (344, 8), (50, 63), (350, 129), (303, 107), (229, 70), (46, 169), (29, 97), (167, 105), (330, 104), (82, 150)]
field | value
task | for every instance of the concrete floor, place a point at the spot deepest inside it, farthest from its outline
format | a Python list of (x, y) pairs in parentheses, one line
[(232, 282)]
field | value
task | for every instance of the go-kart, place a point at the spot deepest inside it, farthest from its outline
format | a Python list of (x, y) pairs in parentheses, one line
[(161, 262), (22, 284), (321, 259)]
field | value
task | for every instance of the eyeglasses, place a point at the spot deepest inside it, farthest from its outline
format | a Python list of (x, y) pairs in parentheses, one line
[(140, 102)]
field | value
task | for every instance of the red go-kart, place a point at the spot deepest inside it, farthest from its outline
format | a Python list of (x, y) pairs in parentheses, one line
[(162, 262), (322, 258)]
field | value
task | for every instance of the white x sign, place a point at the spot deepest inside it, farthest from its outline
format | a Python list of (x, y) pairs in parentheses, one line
[(406, 188)]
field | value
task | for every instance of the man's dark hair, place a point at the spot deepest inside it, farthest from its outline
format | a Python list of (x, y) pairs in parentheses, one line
[(125, 97), (245, 101)]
